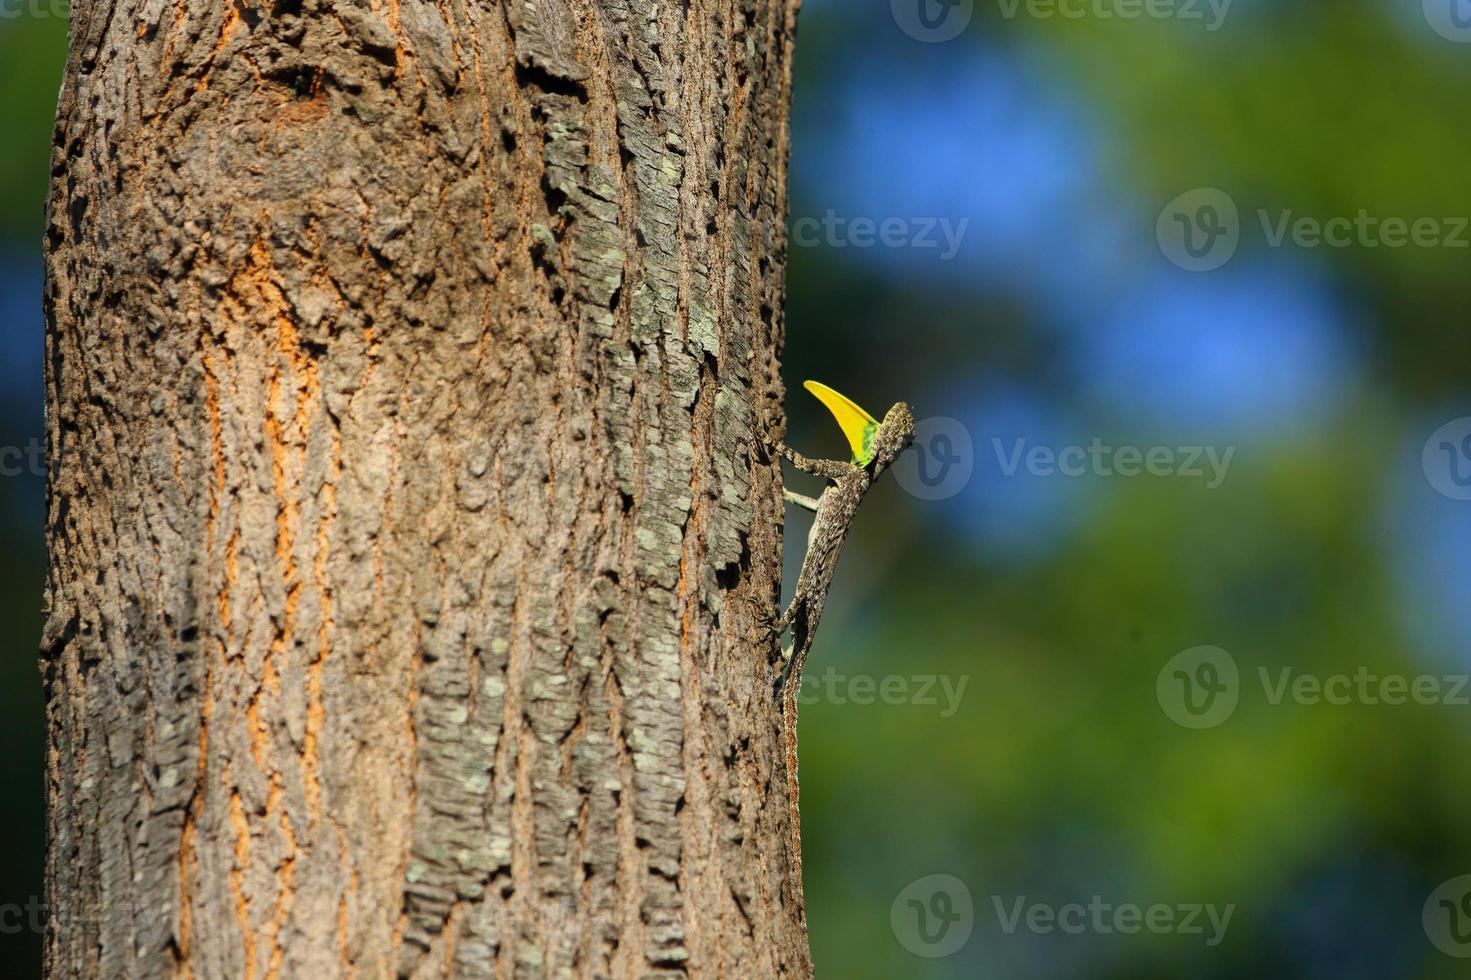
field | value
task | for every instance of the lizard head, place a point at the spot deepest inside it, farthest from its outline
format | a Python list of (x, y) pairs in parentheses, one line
[(894, 435)]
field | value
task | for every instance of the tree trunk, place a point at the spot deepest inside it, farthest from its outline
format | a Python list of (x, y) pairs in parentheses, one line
[(411, 533)]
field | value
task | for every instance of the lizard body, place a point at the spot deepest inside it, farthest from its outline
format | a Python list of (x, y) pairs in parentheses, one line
[(833, 512)]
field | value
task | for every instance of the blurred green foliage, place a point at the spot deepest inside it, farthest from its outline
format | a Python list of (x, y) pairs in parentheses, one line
[(31, 55), (1061, 777)]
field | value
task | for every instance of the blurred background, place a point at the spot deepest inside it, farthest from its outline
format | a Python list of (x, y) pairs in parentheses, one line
[(1150, 661), (32, 51)]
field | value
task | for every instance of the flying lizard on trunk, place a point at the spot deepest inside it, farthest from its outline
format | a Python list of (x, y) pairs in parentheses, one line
[(875, 447)]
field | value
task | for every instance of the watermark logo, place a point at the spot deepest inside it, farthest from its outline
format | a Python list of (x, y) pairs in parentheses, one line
[(1199, 230), (933, 916), (943, 459), (1447, 917), (940, 462), (1446, 459), (1451, 19), (1199, 688), (932, 21)]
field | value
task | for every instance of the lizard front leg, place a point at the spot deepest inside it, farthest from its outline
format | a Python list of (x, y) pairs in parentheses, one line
[(829, 469)]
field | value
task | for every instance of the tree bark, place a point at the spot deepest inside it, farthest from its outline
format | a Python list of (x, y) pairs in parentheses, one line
[(411, 535)]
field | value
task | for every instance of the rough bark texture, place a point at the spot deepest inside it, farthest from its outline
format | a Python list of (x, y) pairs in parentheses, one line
[(407, 368)]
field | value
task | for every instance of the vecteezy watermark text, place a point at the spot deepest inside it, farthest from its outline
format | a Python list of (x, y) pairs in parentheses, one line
[(1105, 918), (33, 916), (1211, 12), (837, 231), (924, 690), (35, 9), (933, 916), (1363, 229), (943, 458), (1201, 229), (1099, 459), (27, 460), (935, 21), (1201, 688), (16, 918)]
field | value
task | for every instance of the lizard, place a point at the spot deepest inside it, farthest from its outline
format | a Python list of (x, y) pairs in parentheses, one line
[(876, 445)]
